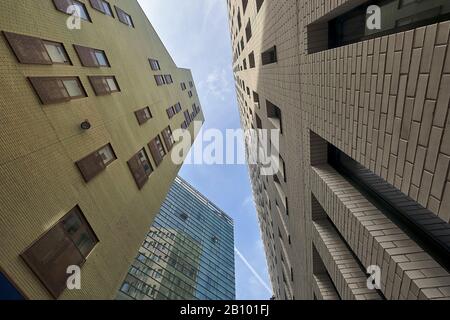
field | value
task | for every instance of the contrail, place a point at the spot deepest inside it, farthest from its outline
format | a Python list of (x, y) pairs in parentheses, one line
[(253, 270)]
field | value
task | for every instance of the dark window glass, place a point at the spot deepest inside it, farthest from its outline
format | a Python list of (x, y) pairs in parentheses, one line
[(269, 56), (396, 16)]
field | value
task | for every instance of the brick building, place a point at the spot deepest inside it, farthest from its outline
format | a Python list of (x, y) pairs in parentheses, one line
[(86, 136), (364, 144)]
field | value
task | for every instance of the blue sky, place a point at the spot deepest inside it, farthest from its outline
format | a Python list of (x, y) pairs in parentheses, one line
[(196, 34)]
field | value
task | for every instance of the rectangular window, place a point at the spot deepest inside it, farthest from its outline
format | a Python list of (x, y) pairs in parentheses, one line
[(154, 64), (396, 16), (274, 115), (168, 79), (91, 165), (68, 243), (64, 6), (32, 50), (244, 5), (248, 31), (183, 86), (102, 6), (57, 89), (251, 60), (157, 150), (160, 80), (168, 138), (170, 112), (244, 62), (190, 94), (56, 52), (140, 168), (124, 17), (104, 85), (101, 58), (177, 107), (143, 115), (269, 56), (90, 57)]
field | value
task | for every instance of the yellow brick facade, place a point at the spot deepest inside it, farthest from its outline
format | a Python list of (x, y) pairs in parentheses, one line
[(39, 144)]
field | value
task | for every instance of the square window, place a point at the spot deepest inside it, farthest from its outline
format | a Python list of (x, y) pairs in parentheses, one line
[(56, 52)]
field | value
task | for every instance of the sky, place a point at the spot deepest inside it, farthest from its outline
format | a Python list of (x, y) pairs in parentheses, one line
[(196, 34)]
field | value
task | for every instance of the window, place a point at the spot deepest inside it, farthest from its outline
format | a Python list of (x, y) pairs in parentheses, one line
[(190, 94), (170, 112), (256, 99), (143, 115), (56, 52), (283, 168), (259, 4), (168, 79), (101, 58), (251, 60), (183, 86), (157, 150), (269, 56), (274, 115), (102, 6), (160, 80), (104, 85), (140, 168), (397, 16), (154, 64), (57, 89), (90, 57), (31, 50), (191, 84), (91, 165), (64, 6), (168, 138), (248, 31), (422, 225), (177, 107), (244, 62), (124, 17), (68, 243)]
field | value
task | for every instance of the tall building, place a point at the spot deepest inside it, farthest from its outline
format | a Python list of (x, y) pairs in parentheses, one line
[(363, 110), (188, 253), (87, 114)]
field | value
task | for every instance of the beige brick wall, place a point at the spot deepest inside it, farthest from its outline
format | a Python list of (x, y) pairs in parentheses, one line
[(39, 144), (383, 101)]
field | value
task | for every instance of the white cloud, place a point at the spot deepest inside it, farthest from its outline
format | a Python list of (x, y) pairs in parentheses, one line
[(217, 83)]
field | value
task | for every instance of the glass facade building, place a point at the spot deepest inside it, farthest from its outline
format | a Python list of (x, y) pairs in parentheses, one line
[(188, 253)]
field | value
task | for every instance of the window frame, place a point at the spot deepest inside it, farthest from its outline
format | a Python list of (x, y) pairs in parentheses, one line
[(58, 3), (27, 254), (34, 81)]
